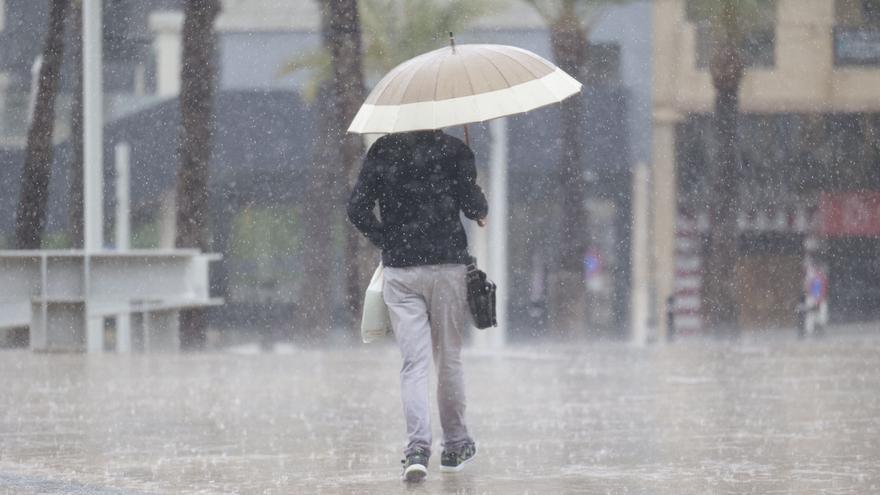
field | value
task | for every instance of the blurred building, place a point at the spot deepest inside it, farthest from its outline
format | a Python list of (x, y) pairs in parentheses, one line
[(264, 135), (810, 159)]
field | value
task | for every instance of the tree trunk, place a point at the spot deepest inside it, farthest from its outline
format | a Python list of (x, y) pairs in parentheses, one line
[(719, 287), (567, 294), (315, 297), (720, 301), (75, 207), (30, 219), (348, 95), (197, 126)]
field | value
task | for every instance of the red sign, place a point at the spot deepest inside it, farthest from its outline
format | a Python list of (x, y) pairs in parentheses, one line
[(850, 214)]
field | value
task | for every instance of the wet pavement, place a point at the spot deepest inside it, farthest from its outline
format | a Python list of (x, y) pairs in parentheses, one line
[(763, 415)]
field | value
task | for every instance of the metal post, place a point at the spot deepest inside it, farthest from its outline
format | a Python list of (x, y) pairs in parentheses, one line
[(35, 82), (640, 305), (498, 226), (93, 178), (123, 236)]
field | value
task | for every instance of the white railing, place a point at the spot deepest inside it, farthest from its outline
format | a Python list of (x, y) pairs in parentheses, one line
[(63, 296)]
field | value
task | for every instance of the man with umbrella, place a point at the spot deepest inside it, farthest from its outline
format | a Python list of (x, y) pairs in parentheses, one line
[(422, 180)]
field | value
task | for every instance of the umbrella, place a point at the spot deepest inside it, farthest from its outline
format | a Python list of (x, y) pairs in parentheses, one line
[(461, 84)]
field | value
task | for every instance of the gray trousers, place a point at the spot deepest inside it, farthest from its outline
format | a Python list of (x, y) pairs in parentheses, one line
[(428, 306)]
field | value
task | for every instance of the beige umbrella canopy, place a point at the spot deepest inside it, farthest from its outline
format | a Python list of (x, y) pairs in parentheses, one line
[(461, 84)]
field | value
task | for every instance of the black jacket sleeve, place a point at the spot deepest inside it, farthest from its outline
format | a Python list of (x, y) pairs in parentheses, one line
[(363, 201), (470, 196)]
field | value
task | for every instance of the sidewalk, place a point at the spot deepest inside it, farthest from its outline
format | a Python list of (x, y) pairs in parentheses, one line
[(758, 416)]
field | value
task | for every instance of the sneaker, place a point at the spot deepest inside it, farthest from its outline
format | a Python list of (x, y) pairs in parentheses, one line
[(454, 461), (415, 467)]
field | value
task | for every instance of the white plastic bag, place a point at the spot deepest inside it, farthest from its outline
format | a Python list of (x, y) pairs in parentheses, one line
[(375, 322)]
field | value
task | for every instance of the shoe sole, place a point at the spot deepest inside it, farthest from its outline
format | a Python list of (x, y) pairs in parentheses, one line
[(455, 469), (415, 473)]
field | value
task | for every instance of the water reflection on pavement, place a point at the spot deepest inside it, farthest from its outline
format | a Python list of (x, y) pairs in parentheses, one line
[(763, 415)]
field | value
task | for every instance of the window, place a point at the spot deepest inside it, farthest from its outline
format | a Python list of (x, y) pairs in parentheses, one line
[(857, 12), (871, 12), (758, 25), (857, 33)]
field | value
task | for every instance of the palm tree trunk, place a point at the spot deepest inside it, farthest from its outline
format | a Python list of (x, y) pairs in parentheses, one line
[(348, 82), (720, 299), (30, 220), (719, 288), (75, 207), (316, 295), (197, 125), (567, 287)]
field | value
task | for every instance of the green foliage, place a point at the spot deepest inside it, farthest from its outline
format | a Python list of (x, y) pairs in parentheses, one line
[(744, 14), (393, 32), (397, 30), (146, 236), (587, 11), (319, 61), (56, 240), (263, 235)]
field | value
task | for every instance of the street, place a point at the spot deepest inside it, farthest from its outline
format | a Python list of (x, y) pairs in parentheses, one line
[(766, 414)]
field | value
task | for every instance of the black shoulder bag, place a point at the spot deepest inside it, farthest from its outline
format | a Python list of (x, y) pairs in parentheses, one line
[(481, 297)]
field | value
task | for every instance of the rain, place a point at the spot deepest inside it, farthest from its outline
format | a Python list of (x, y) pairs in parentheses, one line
[(675, 205)]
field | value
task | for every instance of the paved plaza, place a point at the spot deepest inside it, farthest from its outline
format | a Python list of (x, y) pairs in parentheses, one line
[(763, 415)]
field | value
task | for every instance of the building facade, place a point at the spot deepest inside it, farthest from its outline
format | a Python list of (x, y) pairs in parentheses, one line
[(809, 106)]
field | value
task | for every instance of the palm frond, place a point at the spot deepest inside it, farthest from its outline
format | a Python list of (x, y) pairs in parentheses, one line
[(397, 30), (748, 14), (315, 59), (588, 12), (547, 10)]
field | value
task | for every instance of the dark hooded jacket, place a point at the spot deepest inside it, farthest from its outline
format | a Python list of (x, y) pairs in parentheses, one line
[(421, 180)]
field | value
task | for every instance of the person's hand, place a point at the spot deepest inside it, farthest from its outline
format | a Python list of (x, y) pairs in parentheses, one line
[(481, 222)]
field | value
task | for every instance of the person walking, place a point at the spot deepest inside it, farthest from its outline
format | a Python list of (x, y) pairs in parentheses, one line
[(422, 180)]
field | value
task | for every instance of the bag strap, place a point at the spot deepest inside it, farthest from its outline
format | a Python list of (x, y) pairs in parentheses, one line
[(471, 264)]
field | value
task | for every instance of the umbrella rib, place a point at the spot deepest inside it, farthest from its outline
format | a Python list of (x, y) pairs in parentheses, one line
[(467, 75), (524, 66), (396, 73), (513, 94), (412, 75), (492, 62), (436, 82)]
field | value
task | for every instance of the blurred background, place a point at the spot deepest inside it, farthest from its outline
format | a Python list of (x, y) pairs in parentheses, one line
[(728, 154)]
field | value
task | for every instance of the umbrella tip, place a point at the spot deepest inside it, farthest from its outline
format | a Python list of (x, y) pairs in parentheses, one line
[(452, 41)]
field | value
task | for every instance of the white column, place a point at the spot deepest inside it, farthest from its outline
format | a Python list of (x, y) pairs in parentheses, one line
[(4, 85), (495, 260), (161, 331), (498, 224), (36, 67), (640, 305), (93, 177), (665, 210), (167, 28), (94, 333), (123, 236), (167, 220)]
